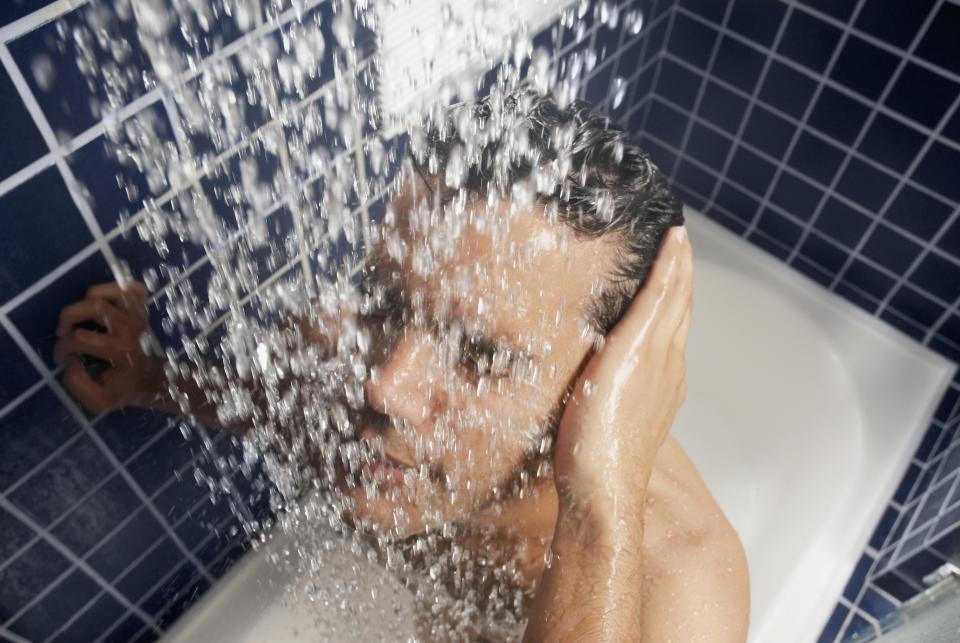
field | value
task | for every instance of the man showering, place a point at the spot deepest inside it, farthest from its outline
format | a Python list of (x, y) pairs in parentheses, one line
[(523, 317)]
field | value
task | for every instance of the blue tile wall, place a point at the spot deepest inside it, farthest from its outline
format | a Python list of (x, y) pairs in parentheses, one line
[(828, 133), (104, 533)]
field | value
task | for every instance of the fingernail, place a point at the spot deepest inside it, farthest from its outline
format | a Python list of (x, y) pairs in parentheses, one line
[(680, 234)]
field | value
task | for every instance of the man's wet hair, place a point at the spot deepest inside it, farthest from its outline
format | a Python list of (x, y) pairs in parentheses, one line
[(576, 162)]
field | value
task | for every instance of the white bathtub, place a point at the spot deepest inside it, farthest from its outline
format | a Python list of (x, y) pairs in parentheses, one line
[(802, 414)]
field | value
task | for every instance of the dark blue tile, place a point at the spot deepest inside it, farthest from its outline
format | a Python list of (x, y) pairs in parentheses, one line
[(127, 430), (922, 95), (737, 202), (906, 484), (772, 246), (117, 186), (68, 102), (17, 374), (787, 89), (808, 41), (93, 519), (30, 433), (36, 318), (832, 629), (56, 487), (15, 535), (917, 307), (693, 177), (952, 129), (151, 572), (159, 598), (949, 350), (950, 241), (157, 463), (722, 108), (896, 586), (919, 565), (678, 84), (598, 87), (183, 494), (859, 628), (857, 297), (21, 142), (708, 9), (666, 123), (708, 146), (863, 67), (890, 249), (693, 199), (27, 251), (934, 501), (938, 276), (891, 143), (949, 405), (816, 158), (15, 9), (738, 64), (691, 40), (838, 116), (125, 545), (940, 44), (225, 537), (839, 9), (27, 575), (936, 170), (883, 528), (157, 257), (663, 158), (868, 279), (865, 184), (857, 578), (95, 620), (842, 223), (182, 602), (64, 600), (205, 521), (750, 171), (812, 270), (951, 329), (768, 132), (796, 196), (130, 630), (923, 483), (876, 605), (823, 253), (227, 560), (779, 227), (893, 22), (917, 212), (758, 20)]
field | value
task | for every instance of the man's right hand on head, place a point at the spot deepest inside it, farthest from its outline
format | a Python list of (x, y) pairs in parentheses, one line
[(131, 375)]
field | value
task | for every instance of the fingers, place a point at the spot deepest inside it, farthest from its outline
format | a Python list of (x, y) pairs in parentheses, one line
[(132, 296), (92, 343), (116, 321), (92, 395)]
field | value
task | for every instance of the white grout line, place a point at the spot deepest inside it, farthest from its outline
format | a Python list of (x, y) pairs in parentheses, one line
[(14, 638), (658, 57), (38, 18), (64, 551), (26, 173), (17, 401), (91, 433)]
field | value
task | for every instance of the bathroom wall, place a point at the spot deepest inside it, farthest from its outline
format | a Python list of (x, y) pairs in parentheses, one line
[(105, 533), (827, 132)]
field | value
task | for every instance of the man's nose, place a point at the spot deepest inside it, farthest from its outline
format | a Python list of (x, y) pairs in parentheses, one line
[(403, 387)]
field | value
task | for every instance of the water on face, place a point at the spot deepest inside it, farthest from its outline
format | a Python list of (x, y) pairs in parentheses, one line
[(268, 177)]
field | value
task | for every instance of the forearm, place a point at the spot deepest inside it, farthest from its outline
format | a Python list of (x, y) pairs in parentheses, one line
[(593, 587)]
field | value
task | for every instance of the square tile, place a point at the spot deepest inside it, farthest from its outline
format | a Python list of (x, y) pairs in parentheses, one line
[(919, 565), (832, 629), (151, 572), (96, 620), (722, 108), (896, 23), (68, 102), (812, 270), (666, 123), (27, 251), (779, 227), (838, 116), (823, 253), (17, 374), (876, 605), (94, 518), (678, 84), (204, 521), (21, 142), (184, 494), (182, 601), (916, 306), (708, 9), (863, 67), (127, 544), (663, 157), (934, 500), (859, 628), (15, 535), (922, 95), (737, 202), (839, 9), (883, 528), (160, 597), (130, 628), (940, 44), (938, 276), (917, 212), (936, 170), (36, 318), (770, 245), (758, 20), (55, 488), (904, 324), (891, 143), (768, 132), (28, 575), (695, 178), (46, 616), (738, 64), (750, 171), (796, 195), (787, 89), (30, 433), (708, 146), (949, 405), (15, 9), (842, 223), (157, 463), (691, 40), (816, 158), (127, 430), (868, 279), (896, 586), (906, 484), (857, 578), (890, 249), (851, 293), (952, 129), (950, 241), (866, 184), (951, 329), (808, 41)]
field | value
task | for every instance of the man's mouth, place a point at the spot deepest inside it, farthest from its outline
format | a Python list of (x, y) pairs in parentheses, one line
[(386, 470)]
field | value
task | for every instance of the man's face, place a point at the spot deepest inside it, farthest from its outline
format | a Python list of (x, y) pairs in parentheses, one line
[(473, 349)]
